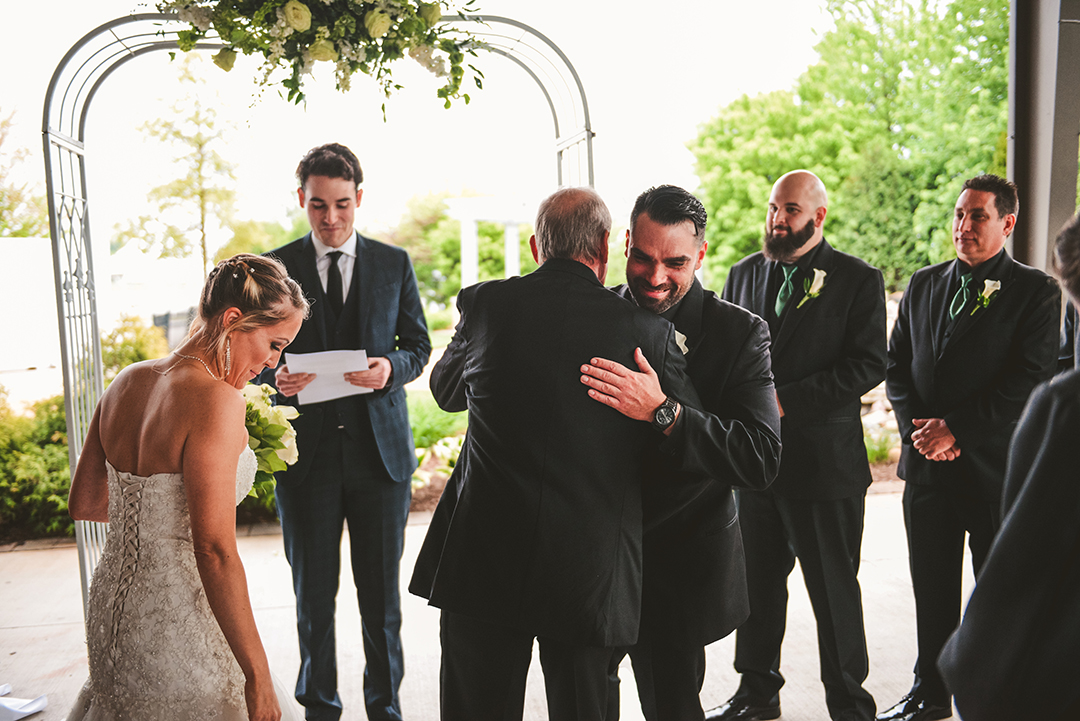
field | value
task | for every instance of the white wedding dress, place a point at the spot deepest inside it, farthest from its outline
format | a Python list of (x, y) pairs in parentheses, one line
[(155, 649)]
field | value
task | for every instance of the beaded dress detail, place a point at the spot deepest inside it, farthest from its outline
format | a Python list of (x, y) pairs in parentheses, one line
[(155, 649)]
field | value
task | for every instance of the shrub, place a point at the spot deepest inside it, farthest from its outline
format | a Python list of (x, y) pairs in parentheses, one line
[(34, 472), (440, 319)]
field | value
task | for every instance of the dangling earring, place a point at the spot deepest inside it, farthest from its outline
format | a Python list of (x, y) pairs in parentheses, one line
[(228, 355)]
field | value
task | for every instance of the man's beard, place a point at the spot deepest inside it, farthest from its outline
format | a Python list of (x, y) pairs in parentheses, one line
[(675, 294), (783, 248)]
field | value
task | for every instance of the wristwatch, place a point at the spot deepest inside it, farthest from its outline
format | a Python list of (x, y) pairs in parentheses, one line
[(664, 415)]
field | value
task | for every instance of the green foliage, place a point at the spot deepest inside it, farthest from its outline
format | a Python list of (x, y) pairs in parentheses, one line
[(260, 236), (904, 104), (357, 35), (439, 319), (22, 213), (431, 423), (129, 342), (34, 471), (878, 444), (187, 207), (434, 244)]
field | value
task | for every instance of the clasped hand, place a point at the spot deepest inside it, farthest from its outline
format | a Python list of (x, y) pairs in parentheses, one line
[(934, 440), (376, 376), (635, 394)]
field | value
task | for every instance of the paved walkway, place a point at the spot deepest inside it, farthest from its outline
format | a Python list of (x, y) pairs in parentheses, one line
[(42, 649)]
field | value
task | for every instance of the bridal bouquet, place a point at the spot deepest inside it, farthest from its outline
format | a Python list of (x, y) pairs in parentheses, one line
[(354, 35), (270, 435)]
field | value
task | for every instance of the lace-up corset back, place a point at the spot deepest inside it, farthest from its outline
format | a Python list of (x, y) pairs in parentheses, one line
[(155, 649)]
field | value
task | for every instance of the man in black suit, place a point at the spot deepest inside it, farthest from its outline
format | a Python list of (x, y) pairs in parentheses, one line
[(539, 533), (973, 338), (694, 588), (1014, 656), (356, 453), (826, 310)]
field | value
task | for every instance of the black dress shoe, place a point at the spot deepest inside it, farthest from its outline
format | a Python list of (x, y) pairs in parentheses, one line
[(738, 709), (913, 708)]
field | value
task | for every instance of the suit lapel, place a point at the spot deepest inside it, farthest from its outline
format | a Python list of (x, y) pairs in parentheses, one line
[(825, 261), (310, 282), (688, 318), (967, 319), (939, 301), (362, 283), (760, 288)]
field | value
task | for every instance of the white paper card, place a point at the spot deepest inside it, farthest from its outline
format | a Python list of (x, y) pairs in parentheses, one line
[(329, 367)]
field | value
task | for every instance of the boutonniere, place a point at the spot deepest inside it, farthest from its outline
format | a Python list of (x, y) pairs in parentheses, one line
[(990, 289), (812, 288), (680, 340)]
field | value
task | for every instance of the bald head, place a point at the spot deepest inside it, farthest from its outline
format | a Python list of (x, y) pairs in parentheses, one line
[(797, 208)]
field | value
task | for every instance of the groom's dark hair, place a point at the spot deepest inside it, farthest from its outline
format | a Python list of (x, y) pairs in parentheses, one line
[(671, 205), (332, 160)]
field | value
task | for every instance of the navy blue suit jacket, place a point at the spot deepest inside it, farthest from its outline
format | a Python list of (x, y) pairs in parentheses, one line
[(384, 307)]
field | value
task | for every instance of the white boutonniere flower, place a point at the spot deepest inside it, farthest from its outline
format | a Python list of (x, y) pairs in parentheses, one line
[(680, 340), (990, 289), (812, 287)]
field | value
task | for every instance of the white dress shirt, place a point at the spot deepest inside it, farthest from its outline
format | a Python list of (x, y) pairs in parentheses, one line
[(345, 262)]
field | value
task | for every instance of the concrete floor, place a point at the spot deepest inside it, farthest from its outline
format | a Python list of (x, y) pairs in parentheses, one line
[(42, 647)]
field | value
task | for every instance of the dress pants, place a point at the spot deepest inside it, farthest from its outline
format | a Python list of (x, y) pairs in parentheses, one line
[(826, 537), (347, 483), (485, 665), (669, 676), (936, 517)]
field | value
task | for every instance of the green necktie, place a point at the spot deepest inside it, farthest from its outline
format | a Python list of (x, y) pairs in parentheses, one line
[(786, 288), (961, 298)]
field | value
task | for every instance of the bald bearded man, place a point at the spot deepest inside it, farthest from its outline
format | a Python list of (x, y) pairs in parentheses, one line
[(826, 314)]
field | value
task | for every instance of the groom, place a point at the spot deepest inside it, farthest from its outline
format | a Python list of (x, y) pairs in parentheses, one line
[(356, 453)]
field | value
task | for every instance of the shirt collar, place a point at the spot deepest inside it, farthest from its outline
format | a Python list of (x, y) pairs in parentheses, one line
[(989, 269), (321, 249)]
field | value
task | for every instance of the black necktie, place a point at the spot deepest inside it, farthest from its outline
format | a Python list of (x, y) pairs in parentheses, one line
[(334, 296)]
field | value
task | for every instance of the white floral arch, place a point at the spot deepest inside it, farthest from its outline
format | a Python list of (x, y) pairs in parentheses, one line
[(82, 71)]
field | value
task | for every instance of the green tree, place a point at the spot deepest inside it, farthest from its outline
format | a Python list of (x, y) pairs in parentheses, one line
[(907, 100), (190, 206), (131, 341), (260, 236), (23, 214), (434, 243)]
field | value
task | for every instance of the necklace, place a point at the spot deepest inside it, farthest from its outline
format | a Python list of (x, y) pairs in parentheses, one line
[(195, 358)]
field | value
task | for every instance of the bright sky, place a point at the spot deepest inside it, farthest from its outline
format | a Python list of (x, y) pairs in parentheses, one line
[(652, 72)]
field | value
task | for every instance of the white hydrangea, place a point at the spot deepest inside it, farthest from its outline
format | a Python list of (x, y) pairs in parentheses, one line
[(197, 16)]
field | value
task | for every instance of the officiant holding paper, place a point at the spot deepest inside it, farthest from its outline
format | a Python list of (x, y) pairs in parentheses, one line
[(356, 450)]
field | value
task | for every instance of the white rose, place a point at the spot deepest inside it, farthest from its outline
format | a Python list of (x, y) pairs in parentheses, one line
[(323, 50), (377, 23), (297, 15)]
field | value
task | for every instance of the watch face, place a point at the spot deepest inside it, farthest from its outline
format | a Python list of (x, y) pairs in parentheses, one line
[(665, 416)]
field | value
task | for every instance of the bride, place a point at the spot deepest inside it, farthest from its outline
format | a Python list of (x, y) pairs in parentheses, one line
[(170, 632)]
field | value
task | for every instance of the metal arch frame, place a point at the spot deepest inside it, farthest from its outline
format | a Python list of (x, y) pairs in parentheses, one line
[(569, 102), (71, 90)]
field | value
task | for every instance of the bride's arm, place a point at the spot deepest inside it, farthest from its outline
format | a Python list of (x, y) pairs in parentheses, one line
[(209, 465), (88, 499)]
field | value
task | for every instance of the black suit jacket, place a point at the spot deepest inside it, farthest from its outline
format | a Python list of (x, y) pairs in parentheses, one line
[(979, 376), (384, 311), (825, 356), (540, 529), (694, 575), (1015, 655)]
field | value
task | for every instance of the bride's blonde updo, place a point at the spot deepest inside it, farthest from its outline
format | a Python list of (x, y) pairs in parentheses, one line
[(256, 285)]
